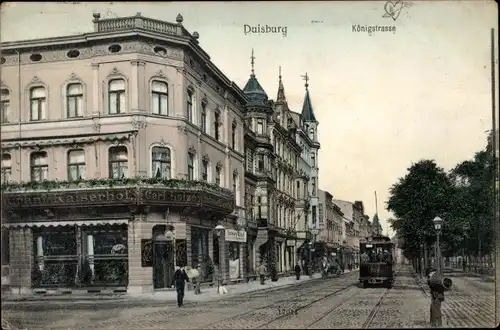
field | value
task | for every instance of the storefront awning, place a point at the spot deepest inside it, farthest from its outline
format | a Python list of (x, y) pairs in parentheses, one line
[(65, 223)]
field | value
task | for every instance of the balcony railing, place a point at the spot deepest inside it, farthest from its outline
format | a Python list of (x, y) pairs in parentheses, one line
[(137, 22)]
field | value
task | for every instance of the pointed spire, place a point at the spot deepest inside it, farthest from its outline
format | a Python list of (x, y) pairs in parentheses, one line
[(281, 90), (307, 109), (252, 58)]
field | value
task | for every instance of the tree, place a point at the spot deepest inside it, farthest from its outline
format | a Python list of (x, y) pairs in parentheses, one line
[(474, 198), (422, 194)]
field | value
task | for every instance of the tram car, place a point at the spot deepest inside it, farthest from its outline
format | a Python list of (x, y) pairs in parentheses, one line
[(376, 261)]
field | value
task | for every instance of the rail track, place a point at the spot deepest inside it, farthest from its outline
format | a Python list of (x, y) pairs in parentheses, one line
[(346, 286)]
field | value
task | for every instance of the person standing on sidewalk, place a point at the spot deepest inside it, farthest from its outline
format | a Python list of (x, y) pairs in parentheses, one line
[(297, 271), (180, 279), (262, 273)]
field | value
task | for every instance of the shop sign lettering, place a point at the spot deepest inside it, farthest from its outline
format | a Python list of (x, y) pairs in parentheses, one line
[(167, 197), (82, 197), (236, 236)]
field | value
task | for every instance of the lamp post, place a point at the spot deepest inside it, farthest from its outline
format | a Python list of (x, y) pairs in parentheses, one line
[(437, 225), (219, 229)]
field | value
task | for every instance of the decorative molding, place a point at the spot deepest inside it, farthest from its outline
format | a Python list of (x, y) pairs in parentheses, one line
[(235, 172), (162, 143), (35, 80), (95, 125), (73, 76), (218, 165), (192, 150), (182, 129), (205, 158), (139, 122), (204, 100), (190, 88), (160, 74)]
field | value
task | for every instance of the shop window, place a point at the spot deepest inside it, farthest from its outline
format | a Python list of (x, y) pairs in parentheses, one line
[(234, 260)]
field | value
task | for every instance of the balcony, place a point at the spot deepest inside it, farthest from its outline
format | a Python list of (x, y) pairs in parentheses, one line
[(137, 22), (134, 192)]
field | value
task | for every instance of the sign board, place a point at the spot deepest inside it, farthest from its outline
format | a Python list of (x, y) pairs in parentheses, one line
[(290, 242), (239, 236)]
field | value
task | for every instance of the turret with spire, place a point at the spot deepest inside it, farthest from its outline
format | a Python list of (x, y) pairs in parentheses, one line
[(311, 124), (280, 98), (253, 90)]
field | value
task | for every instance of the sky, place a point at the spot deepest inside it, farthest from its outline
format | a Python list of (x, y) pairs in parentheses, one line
[(383, 100)]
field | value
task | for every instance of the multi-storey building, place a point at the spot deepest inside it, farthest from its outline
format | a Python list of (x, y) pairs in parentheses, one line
[(330, 222), (260, 172), (353, 215), (122, 150)]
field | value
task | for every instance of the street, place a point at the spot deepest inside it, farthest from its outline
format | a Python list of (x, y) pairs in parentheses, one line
[(316, 304)]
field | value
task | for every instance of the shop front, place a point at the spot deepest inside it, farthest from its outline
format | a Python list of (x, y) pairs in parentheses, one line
[(126, 237), (236, 242)]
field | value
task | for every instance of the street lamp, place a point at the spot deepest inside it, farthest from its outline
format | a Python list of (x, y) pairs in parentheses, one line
[(219, 229), (437, 225)]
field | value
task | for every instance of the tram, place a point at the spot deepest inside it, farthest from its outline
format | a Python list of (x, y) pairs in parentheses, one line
[(376, 261)]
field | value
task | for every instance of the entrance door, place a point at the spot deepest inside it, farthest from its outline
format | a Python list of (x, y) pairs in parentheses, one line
[(163, 263)]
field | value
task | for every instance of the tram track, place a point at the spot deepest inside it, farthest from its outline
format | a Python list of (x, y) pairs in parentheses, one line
[(375, 309), (349, 284)]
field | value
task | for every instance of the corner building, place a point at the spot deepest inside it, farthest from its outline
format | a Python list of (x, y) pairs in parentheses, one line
[(122, 150)]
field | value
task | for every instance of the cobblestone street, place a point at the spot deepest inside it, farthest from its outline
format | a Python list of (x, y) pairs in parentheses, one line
[(319, 304)]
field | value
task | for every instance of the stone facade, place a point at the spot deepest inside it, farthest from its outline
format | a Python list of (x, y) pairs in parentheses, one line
[(90, 108)]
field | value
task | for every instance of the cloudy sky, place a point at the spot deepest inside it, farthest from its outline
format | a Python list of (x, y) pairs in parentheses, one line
[(383, 100)]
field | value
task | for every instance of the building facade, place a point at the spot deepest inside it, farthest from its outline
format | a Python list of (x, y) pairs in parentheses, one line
[(122, 150), (330, 223), (353, 215)]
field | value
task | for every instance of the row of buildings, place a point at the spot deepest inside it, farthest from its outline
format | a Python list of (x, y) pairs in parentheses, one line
[(126, 152)]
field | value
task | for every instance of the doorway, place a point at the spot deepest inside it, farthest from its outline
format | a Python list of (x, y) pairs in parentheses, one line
[(163, 257)]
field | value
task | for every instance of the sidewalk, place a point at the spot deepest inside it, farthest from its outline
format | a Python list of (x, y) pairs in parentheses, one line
[(486, 277), (207, 294)]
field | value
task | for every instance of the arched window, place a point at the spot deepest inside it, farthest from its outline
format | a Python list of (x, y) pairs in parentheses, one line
[(217, 125), (236, 187), (38, 103), (118, 162), (74, 100), (204, 117), (5, 105), (161, 163), (233, 135), (76, 165), (189, 106), (313, 159), (160, 97), (116, 95), (190, 166), (6, 168), (204, 170), (39, 166)]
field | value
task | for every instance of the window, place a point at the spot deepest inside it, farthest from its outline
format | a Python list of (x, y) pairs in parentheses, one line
[(236, 188), (259, 207), (260, 162), (38, 103), (161, 163), (160, 98), (74, 100), (118, 162), (260, 127), (233, 135), (298, 188), (216, 125), (204, 170), (76, 165), (313, 184), (116, 96), (5, 105), (189, 106), (314, 216), (39, 166), (217, 176), (313, 160), (190, 166), (6, 168), (203, 117)]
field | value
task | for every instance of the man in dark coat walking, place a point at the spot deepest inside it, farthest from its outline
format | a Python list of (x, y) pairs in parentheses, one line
[(297, 271), (180, 279)]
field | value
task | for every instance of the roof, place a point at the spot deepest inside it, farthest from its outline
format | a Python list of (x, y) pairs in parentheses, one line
[(254, 92), (307, 109)]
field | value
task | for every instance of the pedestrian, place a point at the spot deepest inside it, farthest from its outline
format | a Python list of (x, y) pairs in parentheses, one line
[(180, 279), (262, 273), (437, 297), (297, 271), (464, 264)]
